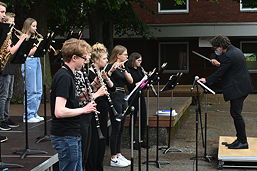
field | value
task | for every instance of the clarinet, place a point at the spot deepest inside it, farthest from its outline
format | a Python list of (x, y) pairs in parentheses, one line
[(90, 94), (101, 81)]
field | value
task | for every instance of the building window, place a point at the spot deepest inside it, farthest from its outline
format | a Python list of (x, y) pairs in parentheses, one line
[(248, 6), (250, 51), (176, 54), (168, 6)]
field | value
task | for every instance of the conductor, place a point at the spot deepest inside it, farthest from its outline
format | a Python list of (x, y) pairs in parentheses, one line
[(236, 83)]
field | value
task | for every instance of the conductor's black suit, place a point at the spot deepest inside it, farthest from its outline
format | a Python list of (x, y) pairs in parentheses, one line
[(236, 85)]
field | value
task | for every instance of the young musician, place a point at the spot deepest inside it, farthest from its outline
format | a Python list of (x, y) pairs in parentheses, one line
[(2, 15), (137, 73), (97, 146), (86, 94), (236, 83), (65, 130), (120, 77), (7, 80), (33, 75)]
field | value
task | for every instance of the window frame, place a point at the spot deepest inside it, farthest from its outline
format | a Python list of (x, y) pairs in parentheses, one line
[(241, 48), (247, 9), (173, 11), (187, 53)]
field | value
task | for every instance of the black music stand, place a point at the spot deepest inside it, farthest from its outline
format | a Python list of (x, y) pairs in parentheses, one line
[(41, 52), (170, 85), (207, 89), (136, 92), (19, 58), (156, 78)]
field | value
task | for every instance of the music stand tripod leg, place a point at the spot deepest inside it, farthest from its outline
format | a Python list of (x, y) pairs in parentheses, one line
[(45, 137)]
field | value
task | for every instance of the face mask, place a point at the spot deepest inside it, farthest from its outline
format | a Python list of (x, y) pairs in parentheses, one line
[(218, 52)]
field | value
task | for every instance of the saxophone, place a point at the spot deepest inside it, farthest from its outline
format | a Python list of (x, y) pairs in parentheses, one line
[(4, 52)]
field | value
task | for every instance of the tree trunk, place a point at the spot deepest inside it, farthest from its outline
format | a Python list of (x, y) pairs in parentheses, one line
[(108, 35)]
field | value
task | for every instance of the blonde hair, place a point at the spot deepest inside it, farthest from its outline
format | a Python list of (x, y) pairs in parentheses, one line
[(74, 47), (117, 50), (97, 50), (8, 16), (27, 24)]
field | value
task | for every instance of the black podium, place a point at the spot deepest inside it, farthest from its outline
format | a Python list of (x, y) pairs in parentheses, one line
[(20, 58)]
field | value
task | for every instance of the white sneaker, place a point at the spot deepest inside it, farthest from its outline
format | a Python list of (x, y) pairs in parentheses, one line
[(115, 162), (32, 120), (39, 118), (122, 158)]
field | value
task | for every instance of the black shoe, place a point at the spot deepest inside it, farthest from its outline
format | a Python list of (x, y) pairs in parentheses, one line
[(235, 142), (4, 126), (12, 124), (239, 145), (3, 139)]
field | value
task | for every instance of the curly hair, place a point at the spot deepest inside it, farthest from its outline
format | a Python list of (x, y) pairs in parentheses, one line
[(220, 41), (97, 50)]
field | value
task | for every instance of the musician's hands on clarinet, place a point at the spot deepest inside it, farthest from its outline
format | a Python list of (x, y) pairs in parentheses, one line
[(215, 62), (100, 92), (90, 107)]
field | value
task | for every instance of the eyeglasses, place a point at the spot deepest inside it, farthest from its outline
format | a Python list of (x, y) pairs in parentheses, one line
[(83, 57)]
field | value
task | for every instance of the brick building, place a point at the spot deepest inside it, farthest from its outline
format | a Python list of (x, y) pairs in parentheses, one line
[(179, 30)]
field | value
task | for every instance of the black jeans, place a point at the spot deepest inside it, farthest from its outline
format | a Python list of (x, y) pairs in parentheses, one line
[(236, 107), (117, 127)]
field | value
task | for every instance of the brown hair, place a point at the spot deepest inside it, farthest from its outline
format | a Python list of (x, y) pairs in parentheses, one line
[(220, 41), (132, 58), (74, 47), (3, 4), (26, 25), (97, 50), (117, 50)]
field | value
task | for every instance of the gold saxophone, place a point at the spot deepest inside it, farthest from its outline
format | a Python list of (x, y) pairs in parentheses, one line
[(4, 52)]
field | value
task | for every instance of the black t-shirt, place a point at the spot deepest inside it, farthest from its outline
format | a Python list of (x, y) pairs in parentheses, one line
[(137, 75), (63, 86), (117, 77)]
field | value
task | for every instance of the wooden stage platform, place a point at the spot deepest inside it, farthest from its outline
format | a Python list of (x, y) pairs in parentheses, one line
[(245, 158), (16, 141), (180, 104)]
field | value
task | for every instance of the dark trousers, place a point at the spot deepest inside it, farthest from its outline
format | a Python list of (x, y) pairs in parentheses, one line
[(236, 107), (143, 115), (97, 146), (117, 127), (85, 131)]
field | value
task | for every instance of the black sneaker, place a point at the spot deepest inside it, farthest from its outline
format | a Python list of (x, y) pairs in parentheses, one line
[(12, 124), (4, 126), (3, 139)]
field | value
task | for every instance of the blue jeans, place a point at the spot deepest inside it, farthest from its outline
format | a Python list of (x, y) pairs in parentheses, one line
[(33, 84), (69, 152), (6, 91)]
